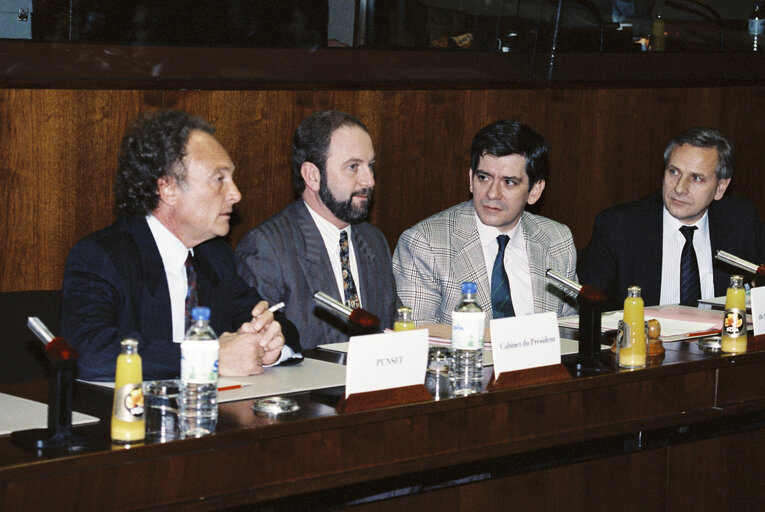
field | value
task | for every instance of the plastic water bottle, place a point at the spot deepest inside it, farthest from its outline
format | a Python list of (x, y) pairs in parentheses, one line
[(468, 320), (199, 376)]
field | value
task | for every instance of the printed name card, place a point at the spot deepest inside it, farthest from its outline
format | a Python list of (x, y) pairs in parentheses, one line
[(385, 361), (758, 309), (522, 342)]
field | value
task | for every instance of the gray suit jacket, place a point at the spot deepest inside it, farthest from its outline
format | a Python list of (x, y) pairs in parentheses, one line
[(285, 259), (433, 259)]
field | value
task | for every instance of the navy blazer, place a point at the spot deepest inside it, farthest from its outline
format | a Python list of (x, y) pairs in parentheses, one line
[(626, 246), (115, 288), (286, 260)]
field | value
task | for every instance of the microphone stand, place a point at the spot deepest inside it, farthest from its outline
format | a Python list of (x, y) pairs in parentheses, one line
[(591, 303)]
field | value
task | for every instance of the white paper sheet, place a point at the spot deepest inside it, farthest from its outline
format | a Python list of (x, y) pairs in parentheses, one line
[(277, 380), (22, 414), (677, 322)]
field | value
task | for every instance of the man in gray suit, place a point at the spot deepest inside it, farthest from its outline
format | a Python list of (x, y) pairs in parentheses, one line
[(490, 240), (321, 242)]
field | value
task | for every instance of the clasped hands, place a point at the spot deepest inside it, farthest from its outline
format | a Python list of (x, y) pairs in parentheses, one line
[(254, 344)]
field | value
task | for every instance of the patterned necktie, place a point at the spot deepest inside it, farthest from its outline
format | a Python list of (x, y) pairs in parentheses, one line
[(501, 301), (690, 287), (192, 294), (351, 297)]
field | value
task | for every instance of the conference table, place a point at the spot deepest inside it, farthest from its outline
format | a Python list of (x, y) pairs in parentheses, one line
[(685, 433)]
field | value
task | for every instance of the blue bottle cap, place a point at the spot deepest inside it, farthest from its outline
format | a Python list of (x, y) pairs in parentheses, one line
[(469, 287), (200, 313)]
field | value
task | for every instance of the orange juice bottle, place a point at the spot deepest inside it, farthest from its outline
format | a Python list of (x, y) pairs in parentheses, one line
[(127, 416), (404, 320), (632, 349), (734, 321)]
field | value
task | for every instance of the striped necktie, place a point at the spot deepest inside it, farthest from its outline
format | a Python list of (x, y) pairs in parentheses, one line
[(690, 286), (501, 300)]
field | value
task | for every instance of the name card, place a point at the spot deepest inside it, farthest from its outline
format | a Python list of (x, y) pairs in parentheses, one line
[(522, 342), (757, 296), (385, 361)]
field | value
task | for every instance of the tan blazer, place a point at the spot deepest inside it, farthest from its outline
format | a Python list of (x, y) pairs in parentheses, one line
[(433, 259)]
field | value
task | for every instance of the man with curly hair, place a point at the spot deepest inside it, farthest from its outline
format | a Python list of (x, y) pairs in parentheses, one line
[(174, 195)]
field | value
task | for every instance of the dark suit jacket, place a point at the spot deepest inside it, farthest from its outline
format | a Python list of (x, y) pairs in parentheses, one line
[(286, 260), (626, 246), (115, 287)]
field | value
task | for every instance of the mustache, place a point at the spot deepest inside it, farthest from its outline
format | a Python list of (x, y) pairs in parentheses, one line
[(366, 191)]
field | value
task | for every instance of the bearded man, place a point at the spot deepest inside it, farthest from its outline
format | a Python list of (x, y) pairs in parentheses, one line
[(321, 241)]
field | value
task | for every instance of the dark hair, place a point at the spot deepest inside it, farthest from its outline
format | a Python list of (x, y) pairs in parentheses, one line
[(311, 140), (504, 138), (709, 139), (153, 147)]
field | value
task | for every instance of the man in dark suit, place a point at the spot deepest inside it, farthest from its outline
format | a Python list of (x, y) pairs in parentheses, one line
[(175, 193), (321, 242), (643, 242)]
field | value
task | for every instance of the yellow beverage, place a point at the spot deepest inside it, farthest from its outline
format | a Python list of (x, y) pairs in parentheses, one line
[(127, 415), (632, 350), (403, 326), (734, 321), (404, 320)]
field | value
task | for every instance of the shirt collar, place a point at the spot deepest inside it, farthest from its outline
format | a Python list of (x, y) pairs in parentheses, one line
[(489, 234), (171, 249), (672, 225), (326, 228)]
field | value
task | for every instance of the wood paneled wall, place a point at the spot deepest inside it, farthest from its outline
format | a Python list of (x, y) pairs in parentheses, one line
[(58, 153)]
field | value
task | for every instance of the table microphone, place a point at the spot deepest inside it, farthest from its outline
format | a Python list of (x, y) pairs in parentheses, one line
[(739, 263), (359, 317)]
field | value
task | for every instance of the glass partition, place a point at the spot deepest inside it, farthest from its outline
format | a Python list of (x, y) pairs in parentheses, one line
[(534, 32), (475, 25)]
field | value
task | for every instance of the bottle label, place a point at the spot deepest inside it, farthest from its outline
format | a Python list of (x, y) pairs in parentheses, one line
[(756, 26), (734, 323), (467, 330), (199, 361), (128, 402)]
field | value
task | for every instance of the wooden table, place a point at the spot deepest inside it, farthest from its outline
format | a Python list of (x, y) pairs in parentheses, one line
[(684, 434)]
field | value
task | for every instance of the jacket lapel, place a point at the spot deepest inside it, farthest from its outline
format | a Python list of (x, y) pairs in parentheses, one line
[(155, 302), (536, 253), (468, 256)]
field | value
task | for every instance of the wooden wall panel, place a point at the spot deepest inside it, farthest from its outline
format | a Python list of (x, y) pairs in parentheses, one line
[(59, 152)]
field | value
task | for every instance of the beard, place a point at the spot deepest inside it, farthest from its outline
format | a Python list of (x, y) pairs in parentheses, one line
[(346, 210)]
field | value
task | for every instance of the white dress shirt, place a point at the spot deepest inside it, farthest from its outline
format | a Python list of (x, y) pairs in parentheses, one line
[(331, 236), (174, 255), (516, 263), (672, 249)]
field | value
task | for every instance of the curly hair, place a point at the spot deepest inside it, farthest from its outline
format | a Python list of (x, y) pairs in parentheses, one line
[(311, 141), (152, 148)]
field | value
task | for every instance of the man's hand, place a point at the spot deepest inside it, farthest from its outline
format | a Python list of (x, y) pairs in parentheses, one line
[(267, 331), (240, 355)]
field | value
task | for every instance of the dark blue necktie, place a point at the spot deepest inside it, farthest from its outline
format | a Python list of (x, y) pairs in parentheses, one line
[(690, 286), (501, 301)]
